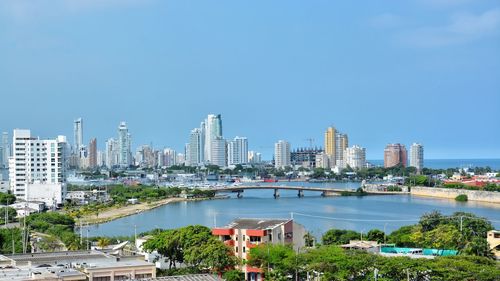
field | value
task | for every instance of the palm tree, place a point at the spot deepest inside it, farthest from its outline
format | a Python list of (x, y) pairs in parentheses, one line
[(103, 242)]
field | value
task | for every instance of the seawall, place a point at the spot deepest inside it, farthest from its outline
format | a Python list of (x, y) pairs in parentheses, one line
[(450, 193)]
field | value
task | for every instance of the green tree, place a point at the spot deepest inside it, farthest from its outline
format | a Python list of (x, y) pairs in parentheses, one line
[(11, 215), (193, 245), (277, 257), (309, 239), (234, 275), (442, 237), (402, 237), (339, 236), (7, 198), (103, 242), (376, 235)]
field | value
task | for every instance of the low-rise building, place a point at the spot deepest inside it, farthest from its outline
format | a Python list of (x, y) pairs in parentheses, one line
[(27, 208), (75, 266), (369, 246), (493, 238), (245, 234)]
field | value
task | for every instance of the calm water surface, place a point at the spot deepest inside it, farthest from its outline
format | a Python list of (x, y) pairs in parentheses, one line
[(316, 213)]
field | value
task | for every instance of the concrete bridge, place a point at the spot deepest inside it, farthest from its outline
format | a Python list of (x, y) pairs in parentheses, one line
[(300, 190)]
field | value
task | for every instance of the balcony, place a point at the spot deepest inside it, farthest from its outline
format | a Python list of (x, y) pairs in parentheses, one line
[(259, 233), (222, 231), (229, 243), (252, 269), (251, 245)]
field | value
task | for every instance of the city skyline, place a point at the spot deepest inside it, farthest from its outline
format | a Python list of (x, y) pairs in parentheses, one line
[(102, 146), (395, 73)]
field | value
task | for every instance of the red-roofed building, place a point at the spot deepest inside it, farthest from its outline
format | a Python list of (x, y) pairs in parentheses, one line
[(245, 234)]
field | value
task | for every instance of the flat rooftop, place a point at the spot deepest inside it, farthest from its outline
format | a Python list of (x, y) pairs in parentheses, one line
[(49, 273), (192, 277), (55, 255), (257, 224)]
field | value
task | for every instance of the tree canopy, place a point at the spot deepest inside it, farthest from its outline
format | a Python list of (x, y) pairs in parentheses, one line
[(195, 246)]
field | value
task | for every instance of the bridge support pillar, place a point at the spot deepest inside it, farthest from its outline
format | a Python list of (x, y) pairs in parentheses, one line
[(240, 194), (301, 193), (276, 193)]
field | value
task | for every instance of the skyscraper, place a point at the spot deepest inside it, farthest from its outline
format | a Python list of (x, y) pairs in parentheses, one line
[(124, 141), (111, 153), (212, 131), (218, 153), (92, 155), (169, 157), (282, 154), (417, 156), (395, 154), (341, 143), (355, 157), (335, 145), (330, 142), (254, 157), (78, 135), (194, 150), (5, 150), (237, 151)]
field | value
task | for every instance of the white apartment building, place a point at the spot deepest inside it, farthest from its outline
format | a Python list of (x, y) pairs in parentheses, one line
[(237, 151), (282, 154), (194, 149), (211, 130), (355, 157), (417, 156), (111, 153), (124, 142), (254, 157), (37, 168)]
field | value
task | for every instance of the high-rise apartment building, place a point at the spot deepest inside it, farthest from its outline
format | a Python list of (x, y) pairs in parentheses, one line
[(211, 131), (111, 153), (78, 135), (395, 154), (194, 149), (237, 151), (342, 143), (124, 141), (355, 157), (417, 156), (282, 156), (169, 157), (335, 145), (254, 157), (330, 142), (218, 154), (92, 153), (37, 168), (4, 150)]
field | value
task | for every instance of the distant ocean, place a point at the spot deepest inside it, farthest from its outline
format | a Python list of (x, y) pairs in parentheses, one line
[(453, 163)]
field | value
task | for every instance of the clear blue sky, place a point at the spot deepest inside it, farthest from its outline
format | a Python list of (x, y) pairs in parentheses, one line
[(380, 71)]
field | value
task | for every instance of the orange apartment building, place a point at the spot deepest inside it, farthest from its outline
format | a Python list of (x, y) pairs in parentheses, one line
[(245, 234)]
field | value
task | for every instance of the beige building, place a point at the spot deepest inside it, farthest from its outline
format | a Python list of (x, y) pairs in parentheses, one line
[(493, 238), (395, 154), (335, 145)]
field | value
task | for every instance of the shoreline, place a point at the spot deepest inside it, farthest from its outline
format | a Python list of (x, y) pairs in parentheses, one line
[(479, 196), (129, 210)]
